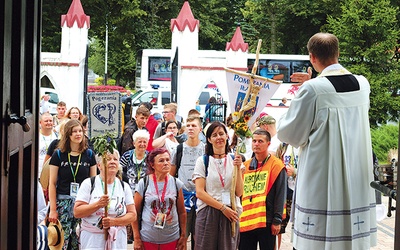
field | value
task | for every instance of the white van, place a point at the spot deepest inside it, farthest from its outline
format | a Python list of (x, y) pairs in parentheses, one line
[(160, 96), (53, 98)]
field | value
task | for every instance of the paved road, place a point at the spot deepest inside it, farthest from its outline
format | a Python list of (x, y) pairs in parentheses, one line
[(385, 233)]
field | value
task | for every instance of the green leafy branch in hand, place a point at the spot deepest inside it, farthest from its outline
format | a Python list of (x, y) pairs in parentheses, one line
[(105, 143)]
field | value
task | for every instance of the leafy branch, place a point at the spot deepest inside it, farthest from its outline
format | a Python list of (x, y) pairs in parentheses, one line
[(105, 143)]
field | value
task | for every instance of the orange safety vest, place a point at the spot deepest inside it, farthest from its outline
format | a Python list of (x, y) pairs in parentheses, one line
[(257, 184)]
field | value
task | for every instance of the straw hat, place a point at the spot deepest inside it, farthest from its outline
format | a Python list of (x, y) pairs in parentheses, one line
[(55, 235), (45, 175)]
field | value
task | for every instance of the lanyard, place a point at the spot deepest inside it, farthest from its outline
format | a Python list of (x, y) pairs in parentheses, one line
[(112, 192), (221, 179), (77, 167), (139, 166), (162, 199), (45, 141)]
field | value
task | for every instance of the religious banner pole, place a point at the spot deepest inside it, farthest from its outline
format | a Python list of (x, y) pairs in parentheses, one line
[(245, 107), (104, 160)]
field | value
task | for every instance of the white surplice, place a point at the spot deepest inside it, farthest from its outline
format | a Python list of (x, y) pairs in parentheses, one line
[(333, 205)]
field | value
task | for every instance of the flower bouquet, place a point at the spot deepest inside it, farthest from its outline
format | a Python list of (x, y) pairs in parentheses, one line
[(242, 130)]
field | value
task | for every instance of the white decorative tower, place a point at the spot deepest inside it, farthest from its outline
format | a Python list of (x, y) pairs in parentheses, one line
[(185, 35), (236, 51), (75, 25)]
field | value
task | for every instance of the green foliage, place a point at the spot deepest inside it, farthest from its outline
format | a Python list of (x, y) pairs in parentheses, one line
[(368, 31), (384, 138), (51, 19), (105, 143), (100, 81)]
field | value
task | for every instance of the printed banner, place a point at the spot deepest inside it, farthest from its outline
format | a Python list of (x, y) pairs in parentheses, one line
[(104, 110), (238, 84)]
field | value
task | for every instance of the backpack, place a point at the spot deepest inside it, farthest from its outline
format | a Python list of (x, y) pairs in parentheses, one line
[(125, 143), (179, 151), (206, 159), (146, 184), (92, 182), (164, 123)]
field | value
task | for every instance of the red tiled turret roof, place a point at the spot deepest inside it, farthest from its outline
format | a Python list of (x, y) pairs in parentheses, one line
[(237, 42), (185, 18), (75, 13)]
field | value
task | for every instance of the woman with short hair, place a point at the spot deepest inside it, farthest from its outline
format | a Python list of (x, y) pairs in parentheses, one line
[(133, 162), (161, 222), (91, 202)]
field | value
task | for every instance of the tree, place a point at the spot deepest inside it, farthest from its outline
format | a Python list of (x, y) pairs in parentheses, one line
[(368, 31), (51, 24), (383, 139)]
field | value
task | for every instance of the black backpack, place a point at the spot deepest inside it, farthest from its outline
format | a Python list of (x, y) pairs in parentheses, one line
[(125, 143), (179, 151)]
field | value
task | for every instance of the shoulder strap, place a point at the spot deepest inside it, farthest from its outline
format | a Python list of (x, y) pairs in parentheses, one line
[(163, 128), (176, 187), (179, 150), (92, 182), (206, 160), (122, 184), (59, 154), (89, 152), (146, 184)]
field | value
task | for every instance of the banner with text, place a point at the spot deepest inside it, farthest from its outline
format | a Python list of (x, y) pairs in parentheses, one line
[(238, 83), (104, 111)]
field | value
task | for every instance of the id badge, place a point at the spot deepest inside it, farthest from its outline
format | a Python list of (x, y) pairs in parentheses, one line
[(226, 198), (160, 220), (73, 190)]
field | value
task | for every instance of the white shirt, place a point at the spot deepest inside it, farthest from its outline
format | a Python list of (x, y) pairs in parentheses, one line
[(44, 143)]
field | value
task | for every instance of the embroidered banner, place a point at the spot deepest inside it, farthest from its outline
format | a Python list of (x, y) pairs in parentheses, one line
[(104, 111)]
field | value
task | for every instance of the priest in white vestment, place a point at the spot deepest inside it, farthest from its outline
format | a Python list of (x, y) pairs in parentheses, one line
[(333, 205)]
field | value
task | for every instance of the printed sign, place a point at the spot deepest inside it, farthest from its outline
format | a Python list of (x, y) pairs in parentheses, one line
[(104, 110), (238, 84)]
